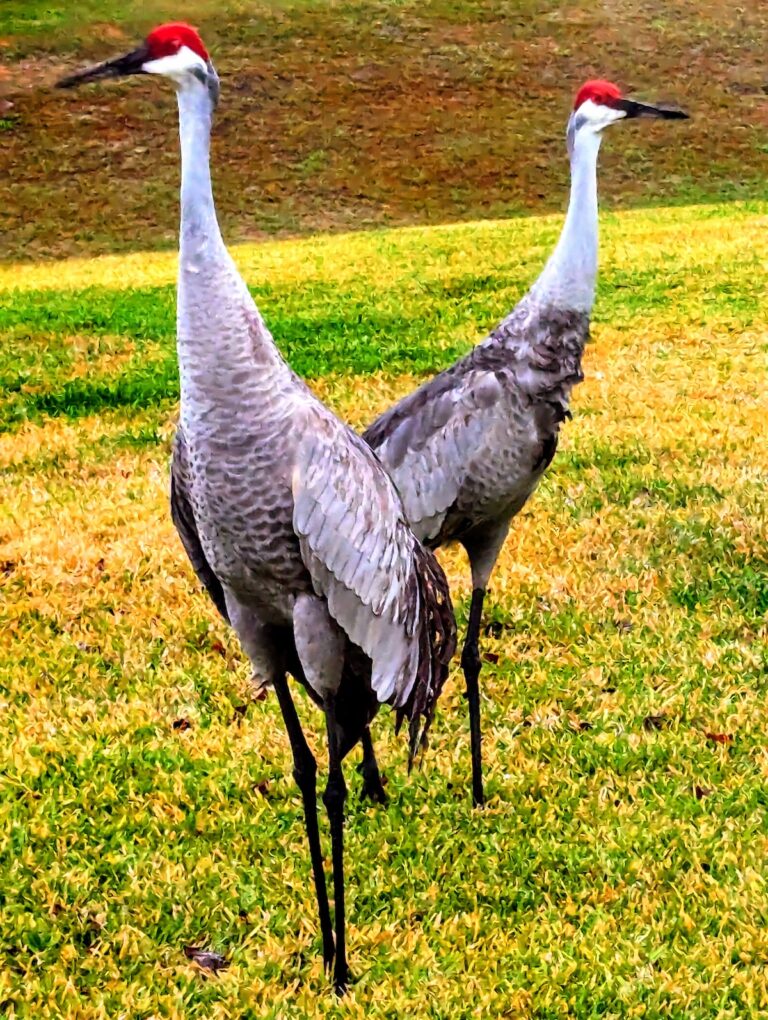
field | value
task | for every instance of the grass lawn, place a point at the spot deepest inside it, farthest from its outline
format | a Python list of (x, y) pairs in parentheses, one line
[(146, 802)]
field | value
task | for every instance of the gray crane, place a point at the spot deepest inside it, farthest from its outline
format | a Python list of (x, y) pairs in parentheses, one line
[(289, 520), (468, 448)]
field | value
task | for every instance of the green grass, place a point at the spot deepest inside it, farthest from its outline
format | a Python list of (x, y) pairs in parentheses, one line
[(620, 867), (408, 324)]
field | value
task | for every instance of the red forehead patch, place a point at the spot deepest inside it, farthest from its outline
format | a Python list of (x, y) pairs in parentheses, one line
[(167, 40), (604, 93)]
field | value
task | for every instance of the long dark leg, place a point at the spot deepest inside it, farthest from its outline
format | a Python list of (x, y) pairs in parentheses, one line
[(305, 774), (333, 798), (372, 784), (470, 663)]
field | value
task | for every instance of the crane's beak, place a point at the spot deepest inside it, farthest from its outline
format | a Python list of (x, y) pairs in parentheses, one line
[(634, 109), (131, 63)]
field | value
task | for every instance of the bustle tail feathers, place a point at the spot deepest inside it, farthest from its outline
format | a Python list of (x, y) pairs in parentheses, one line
[(437, 643)]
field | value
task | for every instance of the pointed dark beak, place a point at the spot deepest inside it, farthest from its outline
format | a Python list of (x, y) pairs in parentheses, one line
[(634, 109), (131, 63)]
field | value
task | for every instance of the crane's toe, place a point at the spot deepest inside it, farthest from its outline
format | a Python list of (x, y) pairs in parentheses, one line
[(342, 980)]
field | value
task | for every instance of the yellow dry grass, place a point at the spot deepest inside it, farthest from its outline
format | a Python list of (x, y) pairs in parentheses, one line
[(697, 237), (620, 867)]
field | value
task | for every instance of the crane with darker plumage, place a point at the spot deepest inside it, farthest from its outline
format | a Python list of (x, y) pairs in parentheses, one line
[(289, 520), (469, 447)]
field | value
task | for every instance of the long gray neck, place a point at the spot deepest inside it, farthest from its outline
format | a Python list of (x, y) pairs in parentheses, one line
[(227, 358), (199, 226), (568, 279)]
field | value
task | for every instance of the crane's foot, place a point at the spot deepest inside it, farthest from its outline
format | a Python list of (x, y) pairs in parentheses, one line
[(342, 979), (373, 784), (478, 796), (373, 789)]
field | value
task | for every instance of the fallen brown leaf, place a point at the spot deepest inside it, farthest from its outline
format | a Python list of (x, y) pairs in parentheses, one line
[(719, 738), (654, 722), (239, 713), (206, 959)]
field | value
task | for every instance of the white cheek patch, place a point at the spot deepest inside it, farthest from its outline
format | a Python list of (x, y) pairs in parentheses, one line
[(176, 65), (599, 116)]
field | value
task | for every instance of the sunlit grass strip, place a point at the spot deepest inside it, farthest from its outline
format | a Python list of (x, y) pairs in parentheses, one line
[(696, 235), (661, 386)]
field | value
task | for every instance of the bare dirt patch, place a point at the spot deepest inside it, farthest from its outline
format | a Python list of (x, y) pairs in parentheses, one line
[(347, 116)]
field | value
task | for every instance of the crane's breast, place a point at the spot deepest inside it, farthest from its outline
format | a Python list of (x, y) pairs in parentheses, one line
[(240, 491)]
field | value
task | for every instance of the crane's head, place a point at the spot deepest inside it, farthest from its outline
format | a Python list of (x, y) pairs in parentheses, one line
[(174, 50), (600, 103)]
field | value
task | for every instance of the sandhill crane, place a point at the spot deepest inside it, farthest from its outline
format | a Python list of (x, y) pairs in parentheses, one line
[(468, 448), (286, 515)]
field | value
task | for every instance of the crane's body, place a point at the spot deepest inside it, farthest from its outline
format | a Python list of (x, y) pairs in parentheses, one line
[(469, 447), (286, 515)]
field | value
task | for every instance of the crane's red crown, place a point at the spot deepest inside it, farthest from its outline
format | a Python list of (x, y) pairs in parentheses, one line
[(167, 40), (604, 93)]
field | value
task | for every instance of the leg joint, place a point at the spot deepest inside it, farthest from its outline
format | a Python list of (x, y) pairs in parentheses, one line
[(470, 657), (304, 769), (335, 792)]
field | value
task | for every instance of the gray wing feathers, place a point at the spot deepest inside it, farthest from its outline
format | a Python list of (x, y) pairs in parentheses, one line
[(510, 391), (183, 518), (359, 553), (427, 453)]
